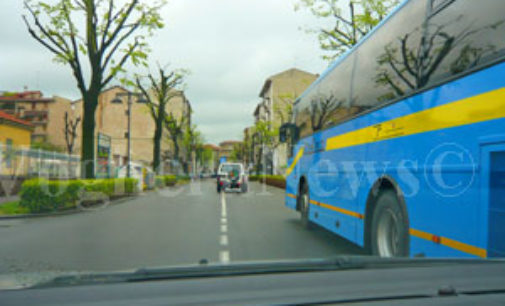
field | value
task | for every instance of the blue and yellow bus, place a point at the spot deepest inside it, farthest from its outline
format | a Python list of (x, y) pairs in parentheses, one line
[(399, 146)]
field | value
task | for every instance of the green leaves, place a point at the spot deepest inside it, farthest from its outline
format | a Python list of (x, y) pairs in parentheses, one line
[(352, 20)]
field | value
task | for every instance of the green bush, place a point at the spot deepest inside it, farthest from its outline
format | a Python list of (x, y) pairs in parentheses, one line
[(272, 180), (41, 195), (170, 180)]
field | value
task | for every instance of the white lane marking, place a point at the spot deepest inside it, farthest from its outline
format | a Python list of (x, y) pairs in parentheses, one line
[(224, 257), (224, 240)]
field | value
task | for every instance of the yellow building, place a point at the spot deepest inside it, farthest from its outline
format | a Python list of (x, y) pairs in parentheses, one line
[(14, 134)]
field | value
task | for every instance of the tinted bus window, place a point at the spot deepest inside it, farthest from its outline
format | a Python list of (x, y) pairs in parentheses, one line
[(387, 64), (463, 35), (328, 103)]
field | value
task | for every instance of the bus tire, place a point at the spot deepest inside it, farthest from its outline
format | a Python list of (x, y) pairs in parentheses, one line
[(305, 207), (390, 228)]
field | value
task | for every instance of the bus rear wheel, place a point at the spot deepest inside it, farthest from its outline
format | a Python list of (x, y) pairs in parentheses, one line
[(389, 230)]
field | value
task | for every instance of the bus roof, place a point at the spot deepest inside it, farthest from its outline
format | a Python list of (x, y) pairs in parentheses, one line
[(348, 52)]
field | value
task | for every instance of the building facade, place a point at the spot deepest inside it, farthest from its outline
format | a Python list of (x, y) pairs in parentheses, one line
[(112, 122), (226, 148), (15, 134), (278, 94), (47, 115)]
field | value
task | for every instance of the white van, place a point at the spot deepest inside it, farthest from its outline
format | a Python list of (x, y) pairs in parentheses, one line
[(231, 176)]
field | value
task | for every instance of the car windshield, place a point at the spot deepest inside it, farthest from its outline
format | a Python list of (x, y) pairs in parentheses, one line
[(256, 130), (231, 169)]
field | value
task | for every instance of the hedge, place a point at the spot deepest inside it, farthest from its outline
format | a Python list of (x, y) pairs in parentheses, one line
[(272, 180), (42, 195), (165, 180)]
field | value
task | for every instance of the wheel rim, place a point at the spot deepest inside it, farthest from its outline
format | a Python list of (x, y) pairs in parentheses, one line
[(387, 234)]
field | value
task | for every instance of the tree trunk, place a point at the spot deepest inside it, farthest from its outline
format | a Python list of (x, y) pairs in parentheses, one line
[(157, 145), (88, 136)]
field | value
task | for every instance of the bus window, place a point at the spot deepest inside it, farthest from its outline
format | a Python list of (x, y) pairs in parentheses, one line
[(464, 35), (328, 104), (387, 60)]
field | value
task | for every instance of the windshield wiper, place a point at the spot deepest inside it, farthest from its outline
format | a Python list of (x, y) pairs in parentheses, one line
[(237, 269)]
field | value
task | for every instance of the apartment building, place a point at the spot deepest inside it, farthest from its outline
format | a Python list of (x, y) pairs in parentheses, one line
[(226, 148), (112, 123), (47, 115), (278, 94)]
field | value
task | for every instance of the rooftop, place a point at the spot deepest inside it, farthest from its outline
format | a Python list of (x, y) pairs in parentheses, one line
[(24, 96), (13, 119)]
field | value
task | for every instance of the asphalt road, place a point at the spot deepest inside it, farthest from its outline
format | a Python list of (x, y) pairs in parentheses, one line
[(168, 227)]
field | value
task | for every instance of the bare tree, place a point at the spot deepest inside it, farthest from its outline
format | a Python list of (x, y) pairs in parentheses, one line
[(321, 110), (70, 131), (164, 88)]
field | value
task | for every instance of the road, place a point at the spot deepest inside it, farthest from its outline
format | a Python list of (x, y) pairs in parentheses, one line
[(175, 226)]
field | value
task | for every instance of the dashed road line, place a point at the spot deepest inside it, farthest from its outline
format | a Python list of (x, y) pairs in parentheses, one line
[(224, 254), (223, 240), (224, 257)]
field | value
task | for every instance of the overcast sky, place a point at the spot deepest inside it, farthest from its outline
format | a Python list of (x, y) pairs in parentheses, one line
[(230, 47)]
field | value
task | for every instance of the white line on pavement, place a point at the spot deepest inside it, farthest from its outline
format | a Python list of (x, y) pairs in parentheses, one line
[(224, 228), (224, 240), (224, 257), (223, 205), (224, 221)]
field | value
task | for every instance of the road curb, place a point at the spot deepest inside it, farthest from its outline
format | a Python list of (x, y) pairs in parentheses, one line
[(66, 212)]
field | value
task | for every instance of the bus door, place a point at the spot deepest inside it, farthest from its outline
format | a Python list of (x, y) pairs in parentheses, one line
[(493, 190)]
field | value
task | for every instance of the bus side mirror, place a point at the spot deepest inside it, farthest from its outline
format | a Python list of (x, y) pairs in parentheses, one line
[(288, 130), (283, 133)]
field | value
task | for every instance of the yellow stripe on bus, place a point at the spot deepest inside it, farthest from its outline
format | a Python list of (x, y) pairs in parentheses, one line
[(457, 245), (338, 209), (291, 195), (295, 161), (483, 107)]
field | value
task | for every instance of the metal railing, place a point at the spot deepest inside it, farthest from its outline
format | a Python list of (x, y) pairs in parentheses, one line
[(16, 161)]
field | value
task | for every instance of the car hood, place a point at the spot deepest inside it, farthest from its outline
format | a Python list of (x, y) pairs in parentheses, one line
[(74, 278)]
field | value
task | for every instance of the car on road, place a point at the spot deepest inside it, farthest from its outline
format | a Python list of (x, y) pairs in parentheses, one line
[(231, 176)]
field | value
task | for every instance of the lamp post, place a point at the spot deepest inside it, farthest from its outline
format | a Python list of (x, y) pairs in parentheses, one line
[(117, 100)]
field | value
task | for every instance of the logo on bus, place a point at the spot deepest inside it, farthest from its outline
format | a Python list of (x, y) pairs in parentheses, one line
[(449, 169)]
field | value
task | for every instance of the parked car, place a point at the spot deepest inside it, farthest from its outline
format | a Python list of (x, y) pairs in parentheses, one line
[(231, 176)]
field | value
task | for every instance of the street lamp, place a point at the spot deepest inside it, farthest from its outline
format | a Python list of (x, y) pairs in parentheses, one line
[(117, 100)]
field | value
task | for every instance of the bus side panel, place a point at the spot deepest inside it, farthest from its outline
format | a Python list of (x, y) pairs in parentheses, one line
[(335, 182), (437, 171)]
